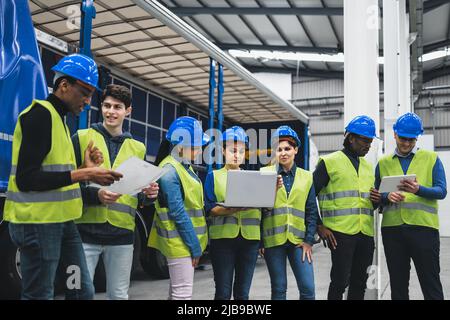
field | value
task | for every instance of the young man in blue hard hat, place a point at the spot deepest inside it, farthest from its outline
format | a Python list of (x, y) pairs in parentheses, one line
[(410, 226), (44, 197), (108, 222), (343, 181)]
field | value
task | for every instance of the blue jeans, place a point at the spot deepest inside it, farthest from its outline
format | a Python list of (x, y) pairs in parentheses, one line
[(117, 260), (42, 248), (233, 257), (303, 271)]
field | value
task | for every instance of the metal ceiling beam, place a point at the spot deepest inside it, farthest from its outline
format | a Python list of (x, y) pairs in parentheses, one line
[(416, 26), (436, 45), (157, 10), (432, 74), (190, 11), (433, 4), (302, 72), (427, 75), (228, 46)]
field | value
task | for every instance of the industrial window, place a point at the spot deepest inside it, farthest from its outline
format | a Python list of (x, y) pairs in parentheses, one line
[(205, 124), (126, 125), (153, 141), (138, 131), (139, 103), (122, 83), (154, 110), (169, 114)]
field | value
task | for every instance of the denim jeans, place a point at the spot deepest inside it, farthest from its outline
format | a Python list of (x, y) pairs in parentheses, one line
[(303, 271), (233, 258), (42, 248), (118, 261)]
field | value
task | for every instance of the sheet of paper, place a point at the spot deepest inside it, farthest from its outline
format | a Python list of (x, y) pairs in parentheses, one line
[(390, 183), (137, 174)]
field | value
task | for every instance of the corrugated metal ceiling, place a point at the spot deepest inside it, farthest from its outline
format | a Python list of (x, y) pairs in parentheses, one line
[(127, 37)]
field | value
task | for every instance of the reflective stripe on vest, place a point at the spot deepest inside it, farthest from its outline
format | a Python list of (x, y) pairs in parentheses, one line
[(347, 212), (344, 194), (121, 213), (170, 234), (164, 235), (282, 230), (414, 210), (344, 202), (43, 196), (246, 222), (51, 206), (164, 216), (50, 168), (286, 221)]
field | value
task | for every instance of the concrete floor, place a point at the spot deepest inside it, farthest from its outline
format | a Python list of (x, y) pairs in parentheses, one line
[(145, 288)]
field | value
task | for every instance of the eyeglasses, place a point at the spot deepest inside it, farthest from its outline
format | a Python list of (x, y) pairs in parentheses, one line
[(363, 139)]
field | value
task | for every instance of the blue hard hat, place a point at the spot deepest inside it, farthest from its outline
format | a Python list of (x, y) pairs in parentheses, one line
[(362, 125), (188, 132), (408, 125), (235, 133), (286, 131), (80, 67)]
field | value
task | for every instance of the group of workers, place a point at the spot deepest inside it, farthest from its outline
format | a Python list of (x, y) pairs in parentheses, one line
[(57, 216)]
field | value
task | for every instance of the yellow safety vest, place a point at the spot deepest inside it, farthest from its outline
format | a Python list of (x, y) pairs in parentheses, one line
[(52, 206), (415, 210), (164, 235), (121, 213), (247, 222), (345, 202), (286, 221)]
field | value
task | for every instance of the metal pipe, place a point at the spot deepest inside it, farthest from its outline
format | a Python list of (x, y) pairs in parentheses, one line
[(87, 14), (171, 20), (220, 91), (433, 88), (212, 87), (306, 147)]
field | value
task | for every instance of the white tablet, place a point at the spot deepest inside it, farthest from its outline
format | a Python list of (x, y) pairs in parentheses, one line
[(391, 183)]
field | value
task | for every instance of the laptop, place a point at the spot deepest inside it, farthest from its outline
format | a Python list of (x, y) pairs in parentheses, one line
[(250, 189)]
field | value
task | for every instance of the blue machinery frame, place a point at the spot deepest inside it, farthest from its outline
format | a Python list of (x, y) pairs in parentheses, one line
[(87, 14), (212, 112)]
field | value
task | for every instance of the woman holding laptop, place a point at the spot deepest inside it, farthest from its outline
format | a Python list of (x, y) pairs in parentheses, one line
[(289, 228), (234, 232), (179, 229)]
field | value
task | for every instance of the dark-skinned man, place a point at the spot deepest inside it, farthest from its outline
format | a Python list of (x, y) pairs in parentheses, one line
[(410, 225), (343, 181), (44, 197)]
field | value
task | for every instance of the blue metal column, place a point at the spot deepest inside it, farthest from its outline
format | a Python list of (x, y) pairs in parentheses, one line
[(87, 14), (306, 147), (212, 87), (220, 90)]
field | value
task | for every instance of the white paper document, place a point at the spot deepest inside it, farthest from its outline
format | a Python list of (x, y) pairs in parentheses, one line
[(391, 183), (137, 174)]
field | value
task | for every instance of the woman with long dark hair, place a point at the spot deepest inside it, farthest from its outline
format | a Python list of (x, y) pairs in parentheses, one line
[(179, 229)]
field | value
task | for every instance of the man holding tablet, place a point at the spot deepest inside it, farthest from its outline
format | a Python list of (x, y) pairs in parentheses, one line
[(410, 226)]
